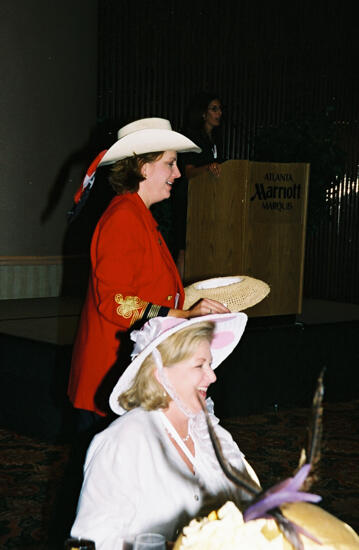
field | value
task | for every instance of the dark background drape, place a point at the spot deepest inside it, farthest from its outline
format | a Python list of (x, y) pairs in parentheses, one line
[(287, 74)]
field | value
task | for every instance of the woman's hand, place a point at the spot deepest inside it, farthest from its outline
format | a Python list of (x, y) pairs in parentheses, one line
[(207, 307), (214, 168), (200, 308), (192, 171)]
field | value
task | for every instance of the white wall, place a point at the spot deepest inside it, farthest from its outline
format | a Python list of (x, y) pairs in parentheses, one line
[(48, 63)]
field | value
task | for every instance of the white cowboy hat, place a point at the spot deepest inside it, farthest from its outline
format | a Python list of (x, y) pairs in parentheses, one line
[(228, 331), (237, 292), (147, 135)]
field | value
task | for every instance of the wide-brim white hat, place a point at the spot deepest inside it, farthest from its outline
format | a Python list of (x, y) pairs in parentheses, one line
[(236, 292), (228, 330), (147, 135)]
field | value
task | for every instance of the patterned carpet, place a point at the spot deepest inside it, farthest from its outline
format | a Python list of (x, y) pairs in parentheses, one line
[(32, 472), (272, 444)]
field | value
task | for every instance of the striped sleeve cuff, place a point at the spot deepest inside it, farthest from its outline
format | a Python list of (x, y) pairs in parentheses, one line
[(153, 310)]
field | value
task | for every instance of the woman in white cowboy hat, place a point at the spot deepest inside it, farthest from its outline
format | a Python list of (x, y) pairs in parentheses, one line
[(154, 467), (133, 277)]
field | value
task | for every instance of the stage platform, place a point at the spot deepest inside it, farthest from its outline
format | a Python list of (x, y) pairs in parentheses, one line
[(54, 320)]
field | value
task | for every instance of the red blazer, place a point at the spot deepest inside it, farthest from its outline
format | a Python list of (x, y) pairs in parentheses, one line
[(130, 266)]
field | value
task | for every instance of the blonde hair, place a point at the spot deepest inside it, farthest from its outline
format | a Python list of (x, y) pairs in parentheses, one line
[(146, 391)]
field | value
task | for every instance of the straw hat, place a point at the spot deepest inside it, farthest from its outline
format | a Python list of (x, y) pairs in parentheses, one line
[(227, 333), (236, 292), (147, 135), (225, 529)]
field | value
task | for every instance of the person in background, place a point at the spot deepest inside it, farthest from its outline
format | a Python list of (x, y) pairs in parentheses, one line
[(202, 124), (154, 468)]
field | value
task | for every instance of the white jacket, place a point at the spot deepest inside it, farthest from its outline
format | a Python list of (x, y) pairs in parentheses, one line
[(135, 481)]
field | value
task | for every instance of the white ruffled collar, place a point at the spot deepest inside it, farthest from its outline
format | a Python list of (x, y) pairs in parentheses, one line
[(206, 466)]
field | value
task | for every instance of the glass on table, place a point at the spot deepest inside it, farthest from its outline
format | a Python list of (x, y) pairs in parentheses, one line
[(150, 541)]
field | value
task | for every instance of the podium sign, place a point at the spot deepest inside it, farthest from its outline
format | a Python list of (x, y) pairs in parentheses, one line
[(251, 221)]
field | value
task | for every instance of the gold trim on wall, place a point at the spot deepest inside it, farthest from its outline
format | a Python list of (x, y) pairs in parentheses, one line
[(41, 276), (39, 260)]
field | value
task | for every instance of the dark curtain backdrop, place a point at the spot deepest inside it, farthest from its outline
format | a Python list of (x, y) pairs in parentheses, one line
[(272, 64)]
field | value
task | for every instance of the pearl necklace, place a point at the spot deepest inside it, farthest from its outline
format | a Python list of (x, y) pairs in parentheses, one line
[(184, 439)]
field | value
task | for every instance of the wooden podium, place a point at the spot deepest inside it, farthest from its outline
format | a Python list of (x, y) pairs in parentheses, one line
[(250, 221)]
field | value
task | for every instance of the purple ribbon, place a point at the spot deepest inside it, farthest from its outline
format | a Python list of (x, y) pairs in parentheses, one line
[(282, 493)]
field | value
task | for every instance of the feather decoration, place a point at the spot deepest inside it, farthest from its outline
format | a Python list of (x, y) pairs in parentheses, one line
[(288, 529), (266, 503), (315, 430), (238, 478)]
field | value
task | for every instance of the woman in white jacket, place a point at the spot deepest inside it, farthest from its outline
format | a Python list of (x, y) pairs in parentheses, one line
[(154, 468)]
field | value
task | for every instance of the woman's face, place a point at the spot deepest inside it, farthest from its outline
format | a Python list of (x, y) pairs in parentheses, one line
[(159, 177), (212, 117), (193, 375)]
